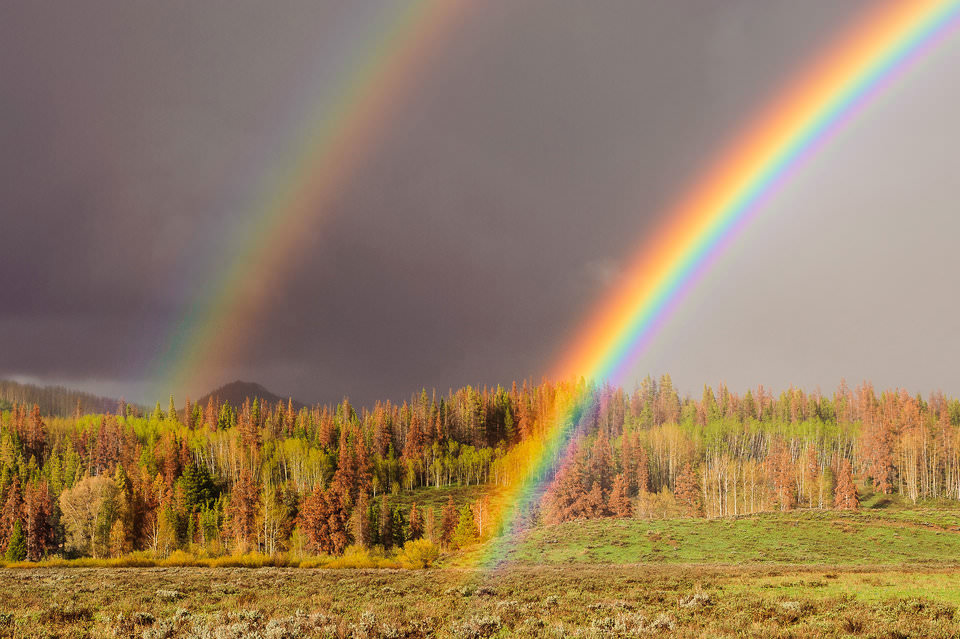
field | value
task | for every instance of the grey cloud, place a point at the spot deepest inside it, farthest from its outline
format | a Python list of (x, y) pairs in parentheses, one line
[(540, 147)]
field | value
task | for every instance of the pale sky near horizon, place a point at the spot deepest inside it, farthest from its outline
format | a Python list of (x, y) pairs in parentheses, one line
[(541, 145)]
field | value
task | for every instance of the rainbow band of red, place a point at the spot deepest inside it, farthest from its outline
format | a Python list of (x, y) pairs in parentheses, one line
[(816, 102), (335, 140)]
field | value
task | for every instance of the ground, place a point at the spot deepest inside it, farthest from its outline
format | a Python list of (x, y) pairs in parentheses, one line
[(889, 572), (591, 601)]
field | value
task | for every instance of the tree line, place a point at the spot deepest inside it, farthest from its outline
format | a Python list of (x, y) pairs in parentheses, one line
[(221, 478), (52, 400)]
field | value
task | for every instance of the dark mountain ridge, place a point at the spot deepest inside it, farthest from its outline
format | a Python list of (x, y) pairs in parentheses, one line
[(236, 392)]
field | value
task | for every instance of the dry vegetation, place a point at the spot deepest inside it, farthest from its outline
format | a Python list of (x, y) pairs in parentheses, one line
[(590, 601), (876, 573)]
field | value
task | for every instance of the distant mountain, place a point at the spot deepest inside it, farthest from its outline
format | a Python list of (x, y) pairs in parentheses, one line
[(236, 392), (55, 400)]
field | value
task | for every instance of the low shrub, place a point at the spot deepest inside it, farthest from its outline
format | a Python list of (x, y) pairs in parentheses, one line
[(421, 553)]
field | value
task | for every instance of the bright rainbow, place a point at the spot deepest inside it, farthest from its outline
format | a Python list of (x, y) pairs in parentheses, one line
[(336, 139), (816, 103)]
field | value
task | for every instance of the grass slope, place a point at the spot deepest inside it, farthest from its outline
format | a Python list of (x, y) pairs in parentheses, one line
[(801, 537)]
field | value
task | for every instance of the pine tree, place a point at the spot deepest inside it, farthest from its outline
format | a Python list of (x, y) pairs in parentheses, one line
[(465, 532), (364, 465), (360, 522), (17, 545), (399, 527), (620, 503), (172, 412), (12, 512), (592, 504), (415, 523), (36, 440), (38, 510), (210, 415), (430, 526), (339, 538), (783, 477), (600, 468), (244, 503), (687, 491), (345, 478), (565, 499), (386, 523), (314, 521), (413, 446), (449, 523), (226, 419), (846, 492)]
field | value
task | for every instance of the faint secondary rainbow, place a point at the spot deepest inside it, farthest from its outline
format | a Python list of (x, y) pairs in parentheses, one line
[(336, 138), (814, 103)]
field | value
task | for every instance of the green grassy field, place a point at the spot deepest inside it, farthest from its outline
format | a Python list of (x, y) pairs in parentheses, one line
[(886, 572), (819, 537)]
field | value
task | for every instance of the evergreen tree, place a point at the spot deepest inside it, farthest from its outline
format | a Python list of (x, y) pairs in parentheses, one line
[(17, 545), (449, 523), (465, 533), (415, 523), (565, 499), (643, 470), (172, 412), (600, 467), (244, 503), (846, 491), (688, 491), (338, 522), (38, 509), (398, 525), (620, 503), (386, 523), (199, 490), (314, 521), (430, 526), (360, 527), (12, 511)]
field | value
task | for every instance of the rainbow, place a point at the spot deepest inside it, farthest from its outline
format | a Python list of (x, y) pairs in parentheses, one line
[(815, 103), (335, 140)]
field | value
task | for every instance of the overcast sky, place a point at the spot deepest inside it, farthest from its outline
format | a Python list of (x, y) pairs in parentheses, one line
[(542, 142)]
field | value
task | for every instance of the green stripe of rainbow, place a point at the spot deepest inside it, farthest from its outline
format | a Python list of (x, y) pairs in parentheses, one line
[(340, 136), (815, 103)]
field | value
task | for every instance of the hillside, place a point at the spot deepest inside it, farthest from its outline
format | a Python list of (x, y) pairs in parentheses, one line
[(54, 400), (236, 392), (825, 537)]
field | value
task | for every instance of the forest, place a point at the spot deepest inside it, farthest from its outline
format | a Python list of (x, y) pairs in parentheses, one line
[(219, 479)]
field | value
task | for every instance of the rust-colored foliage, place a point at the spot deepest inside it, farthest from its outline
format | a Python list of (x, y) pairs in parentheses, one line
[(846, 492), (620, 504)]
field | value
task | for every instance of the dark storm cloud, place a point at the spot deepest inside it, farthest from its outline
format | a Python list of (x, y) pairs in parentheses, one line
[(540, 146)]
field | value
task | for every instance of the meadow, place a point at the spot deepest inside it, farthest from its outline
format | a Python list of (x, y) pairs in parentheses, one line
[(890, 572)]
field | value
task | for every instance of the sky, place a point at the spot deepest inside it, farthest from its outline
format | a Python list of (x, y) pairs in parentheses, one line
[(542, 143)]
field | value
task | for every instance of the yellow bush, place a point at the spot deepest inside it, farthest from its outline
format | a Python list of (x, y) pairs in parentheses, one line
[(354, 557), (418, 554)]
